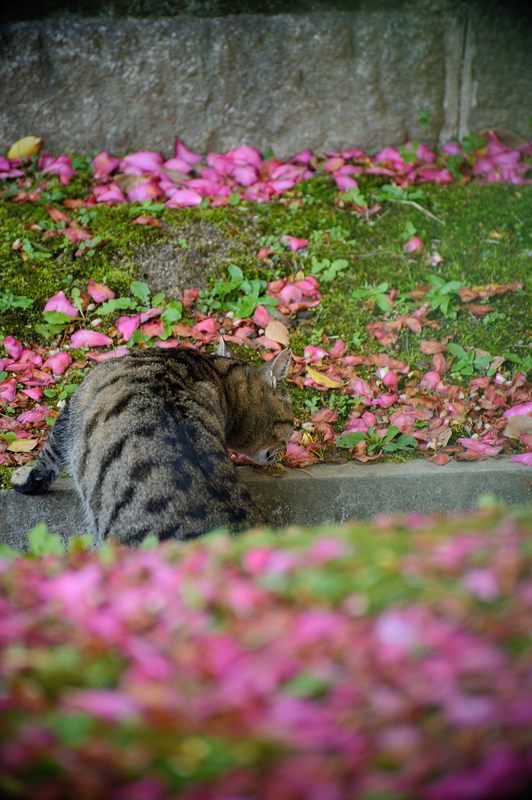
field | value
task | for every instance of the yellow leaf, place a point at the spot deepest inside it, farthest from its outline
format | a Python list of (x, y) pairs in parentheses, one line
[(323, 380), (22, 445), (28, 146), (278, 332)]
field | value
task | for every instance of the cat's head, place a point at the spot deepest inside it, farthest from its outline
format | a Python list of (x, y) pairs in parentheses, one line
[(264, 422)]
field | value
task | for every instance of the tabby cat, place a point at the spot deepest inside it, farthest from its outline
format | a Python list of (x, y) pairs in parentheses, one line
[(145, 438)]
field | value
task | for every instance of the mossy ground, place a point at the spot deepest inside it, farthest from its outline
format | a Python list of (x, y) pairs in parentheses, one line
[(480, 231)]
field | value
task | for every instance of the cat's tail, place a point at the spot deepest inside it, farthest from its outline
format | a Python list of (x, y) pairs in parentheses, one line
[(37, 477)]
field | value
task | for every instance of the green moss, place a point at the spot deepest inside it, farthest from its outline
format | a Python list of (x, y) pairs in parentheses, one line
[(480, 232), (5, 477)]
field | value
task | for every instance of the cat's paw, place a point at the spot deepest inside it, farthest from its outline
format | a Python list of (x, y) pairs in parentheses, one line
[(20, 477)]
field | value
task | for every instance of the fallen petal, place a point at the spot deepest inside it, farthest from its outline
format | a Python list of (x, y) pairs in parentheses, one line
[(58, 363), (99, 291), (86, 338), (58, 302), (523, 458)]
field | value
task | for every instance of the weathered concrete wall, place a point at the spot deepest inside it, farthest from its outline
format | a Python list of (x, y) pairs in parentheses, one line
[(320, 80)]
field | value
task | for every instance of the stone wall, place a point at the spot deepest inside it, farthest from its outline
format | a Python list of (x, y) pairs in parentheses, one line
[(321, 79)]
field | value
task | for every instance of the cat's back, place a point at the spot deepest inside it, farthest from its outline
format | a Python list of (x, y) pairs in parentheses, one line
[(148, 451)]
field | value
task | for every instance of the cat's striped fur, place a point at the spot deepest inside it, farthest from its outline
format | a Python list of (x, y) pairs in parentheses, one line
[(145, 436)]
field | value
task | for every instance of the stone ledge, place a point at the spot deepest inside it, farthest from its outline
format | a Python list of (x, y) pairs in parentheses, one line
[(323, 493)]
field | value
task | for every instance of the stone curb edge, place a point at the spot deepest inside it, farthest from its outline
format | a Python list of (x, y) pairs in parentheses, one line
[(313, 496)]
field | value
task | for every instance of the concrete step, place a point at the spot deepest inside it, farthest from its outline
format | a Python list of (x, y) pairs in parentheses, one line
[(319, 494)]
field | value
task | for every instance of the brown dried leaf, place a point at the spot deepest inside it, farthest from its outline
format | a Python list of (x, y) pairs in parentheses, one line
[(517, 425), (278, 332)]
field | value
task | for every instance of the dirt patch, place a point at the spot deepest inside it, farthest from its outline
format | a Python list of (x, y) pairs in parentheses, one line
[(190, 257)]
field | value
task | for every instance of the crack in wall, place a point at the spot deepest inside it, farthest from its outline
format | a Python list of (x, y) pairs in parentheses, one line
[(466, 88)]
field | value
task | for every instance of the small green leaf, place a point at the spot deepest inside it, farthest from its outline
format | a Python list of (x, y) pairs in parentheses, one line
[(56, 318), (349, 440), (149, 542), (382, 302), (172, 313), (235, 272), (234, 198), (306, 684), (158, 299), (140, 290), (43, 543), (117, 304), (407, 441)]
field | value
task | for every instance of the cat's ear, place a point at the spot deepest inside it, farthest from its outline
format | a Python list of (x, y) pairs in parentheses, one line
[(276, 370), (223, 350)]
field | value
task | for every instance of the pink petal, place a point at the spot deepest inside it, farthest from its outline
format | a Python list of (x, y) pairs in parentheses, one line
[(390, 380), (452, 149), (35, 394), (76, 235), (128, 325), (103, 164), (523, 409), (8, 390), (522, 458), (303, 157), (314, 354), (150, 314), (414, 245), (246, 175), (207, 326), (178, 165), (345, 182), (144, 191), (333, 164), (86, 338), (182, 151), (62, 166), (103, 356), (424, 153), (280, 186), (154, 328), (60, 303), (440, 459), (110, 194), (430, 380), (261, 317), (167, 343), (384, 400), (151, 221), (184, 197), (482, 583), (141, 162), (356, 425), (246, 155), (13, 347), (58, 363), (99, 291), (480, 449), (108, 704), (37, 415)]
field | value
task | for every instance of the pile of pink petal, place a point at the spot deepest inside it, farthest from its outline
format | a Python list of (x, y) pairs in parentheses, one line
[(297, 667), (31, 370), (386, 330), (496, 412), (186, 179)]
